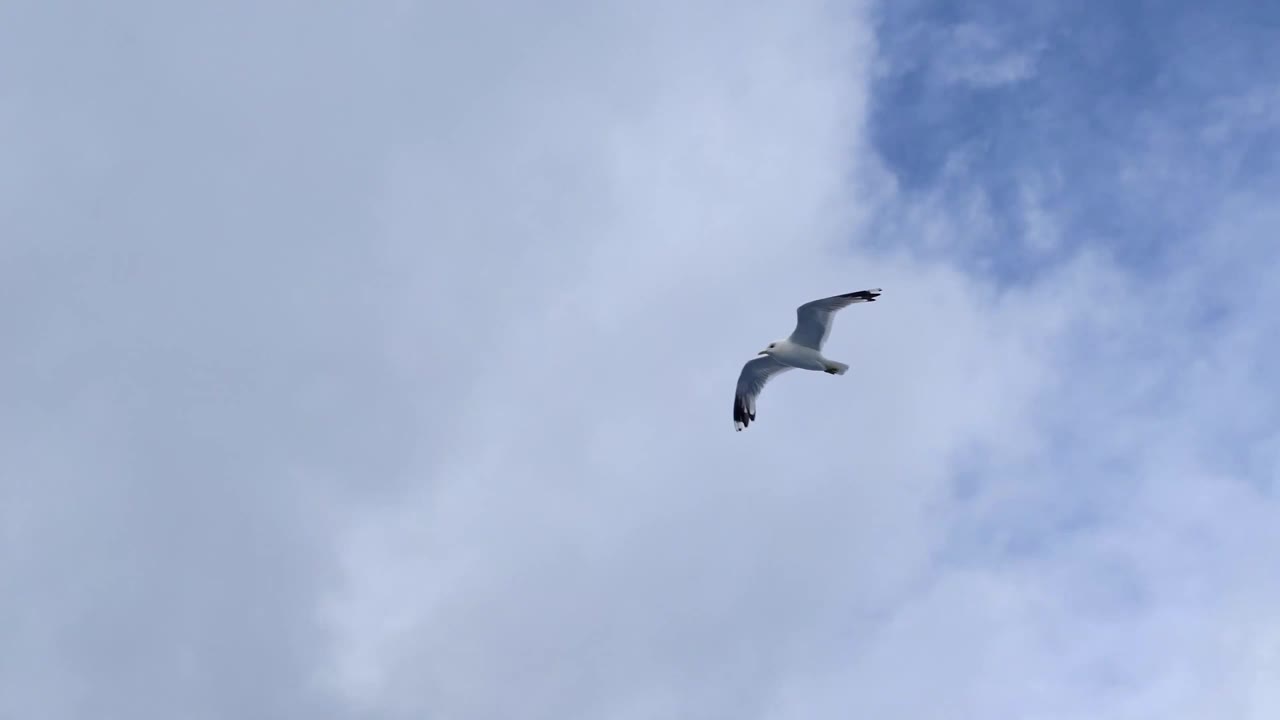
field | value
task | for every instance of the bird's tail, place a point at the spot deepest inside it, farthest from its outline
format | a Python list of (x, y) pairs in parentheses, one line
[(836, 368)]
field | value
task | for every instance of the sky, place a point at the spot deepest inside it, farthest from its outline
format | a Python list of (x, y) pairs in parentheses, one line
[(375, 360)]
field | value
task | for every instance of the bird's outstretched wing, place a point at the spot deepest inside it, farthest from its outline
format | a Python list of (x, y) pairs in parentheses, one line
[(750, 382), (813, 319)]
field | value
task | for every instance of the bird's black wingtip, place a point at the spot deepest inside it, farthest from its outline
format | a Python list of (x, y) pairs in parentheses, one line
[(741, 416), (865, 295)]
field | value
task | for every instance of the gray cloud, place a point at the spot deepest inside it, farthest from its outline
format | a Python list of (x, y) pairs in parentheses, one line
[(194, 329)]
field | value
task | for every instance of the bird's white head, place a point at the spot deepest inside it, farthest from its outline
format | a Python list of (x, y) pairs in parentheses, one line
[(773, 346)]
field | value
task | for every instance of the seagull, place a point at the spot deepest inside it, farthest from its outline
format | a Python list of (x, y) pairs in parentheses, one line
[(803, 350)]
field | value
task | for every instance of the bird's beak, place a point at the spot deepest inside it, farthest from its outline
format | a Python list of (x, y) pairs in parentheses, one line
[(763, 352)]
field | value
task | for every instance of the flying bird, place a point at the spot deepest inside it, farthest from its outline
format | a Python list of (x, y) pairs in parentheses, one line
[(803, 350)]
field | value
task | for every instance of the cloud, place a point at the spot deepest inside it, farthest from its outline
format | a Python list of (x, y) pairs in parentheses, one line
[(378, 364), (975, 54)]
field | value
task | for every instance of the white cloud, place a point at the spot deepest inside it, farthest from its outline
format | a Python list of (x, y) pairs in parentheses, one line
[(589, 547), (976, 54)]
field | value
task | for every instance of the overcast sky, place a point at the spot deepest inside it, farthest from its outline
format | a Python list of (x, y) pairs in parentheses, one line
[(375, 360)]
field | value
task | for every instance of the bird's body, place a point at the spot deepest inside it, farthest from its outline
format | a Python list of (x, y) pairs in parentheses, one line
[(794, 355), (802, 350)]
